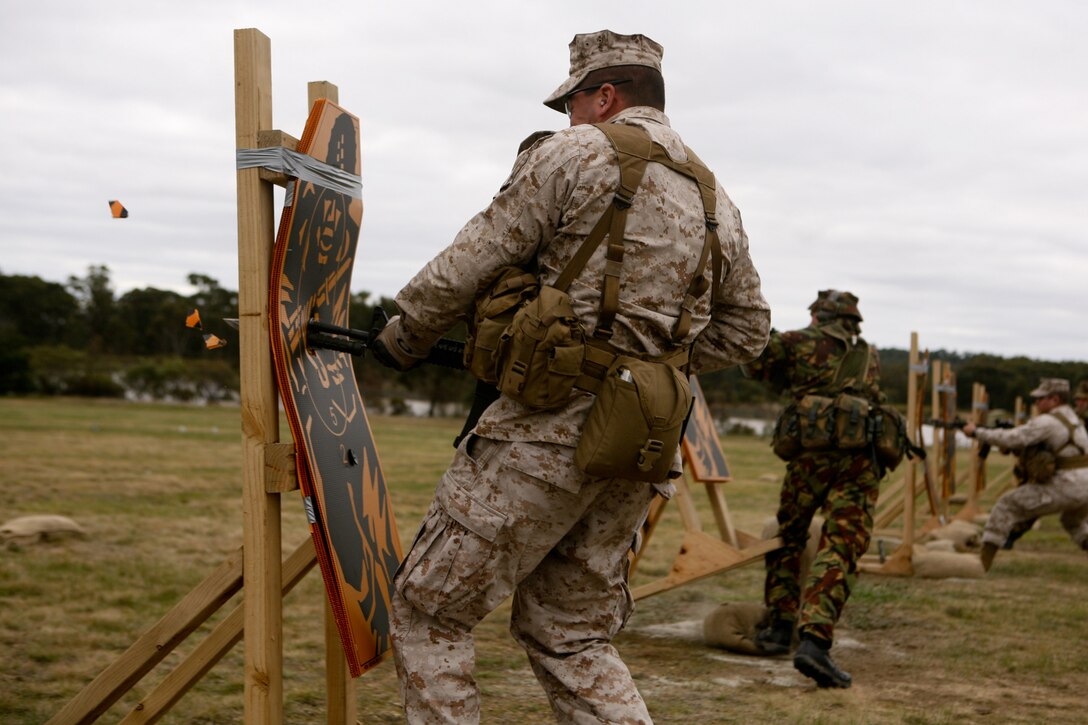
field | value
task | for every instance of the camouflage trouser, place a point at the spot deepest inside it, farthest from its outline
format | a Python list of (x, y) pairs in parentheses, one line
[(845, 486), (520, 518), (1067, 494)]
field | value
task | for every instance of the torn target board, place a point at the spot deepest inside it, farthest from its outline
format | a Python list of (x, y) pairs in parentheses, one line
[(340, 477), (118, 210)]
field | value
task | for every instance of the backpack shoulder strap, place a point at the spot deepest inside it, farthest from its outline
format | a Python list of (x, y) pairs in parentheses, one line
[(1071, 428), (635, 149), (853, 367), (633, 146)]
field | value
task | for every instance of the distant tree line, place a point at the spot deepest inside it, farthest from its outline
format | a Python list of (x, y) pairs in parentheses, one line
[(80, 338)]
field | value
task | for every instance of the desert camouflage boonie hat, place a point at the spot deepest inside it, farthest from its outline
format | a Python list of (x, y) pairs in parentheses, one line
[(1051, 386), (604, 49), (837, 303), (1081, 392)]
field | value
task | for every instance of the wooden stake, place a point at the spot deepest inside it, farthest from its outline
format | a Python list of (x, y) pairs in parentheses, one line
[(259, 404)]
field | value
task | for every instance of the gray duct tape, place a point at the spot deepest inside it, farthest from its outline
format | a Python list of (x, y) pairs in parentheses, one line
[(302, 167)]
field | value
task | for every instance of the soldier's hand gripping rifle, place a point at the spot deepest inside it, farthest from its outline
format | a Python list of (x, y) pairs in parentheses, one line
[(959, 423), (446, 353)]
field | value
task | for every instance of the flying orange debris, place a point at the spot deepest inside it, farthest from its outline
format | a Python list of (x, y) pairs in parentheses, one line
[(212, 342), (193, 320), (118, 209)]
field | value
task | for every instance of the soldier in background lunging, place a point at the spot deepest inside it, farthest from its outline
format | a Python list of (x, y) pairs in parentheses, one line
[(1052, 467), (825, 362)]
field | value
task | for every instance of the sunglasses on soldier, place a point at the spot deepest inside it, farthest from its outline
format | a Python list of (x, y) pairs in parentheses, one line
[(572, 94)]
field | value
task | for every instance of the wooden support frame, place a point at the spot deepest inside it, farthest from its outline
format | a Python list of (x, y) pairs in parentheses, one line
[(902, 498), (701, 554), (980, 414), (268, 470)]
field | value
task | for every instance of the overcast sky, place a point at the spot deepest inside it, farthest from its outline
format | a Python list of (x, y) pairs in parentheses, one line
[(931, 156)]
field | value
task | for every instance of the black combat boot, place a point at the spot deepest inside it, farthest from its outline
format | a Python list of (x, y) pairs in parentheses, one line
[(775, 639), (813, 660), (989, 551)]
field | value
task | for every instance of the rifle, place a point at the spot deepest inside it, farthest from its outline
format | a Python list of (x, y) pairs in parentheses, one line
[(446, 352), (959, 423)]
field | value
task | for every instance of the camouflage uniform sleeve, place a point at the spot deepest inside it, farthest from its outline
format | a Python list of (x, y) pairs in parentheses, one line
[(740, 322), (872, 377), (772, 366), (509, 231), (1036, 430)]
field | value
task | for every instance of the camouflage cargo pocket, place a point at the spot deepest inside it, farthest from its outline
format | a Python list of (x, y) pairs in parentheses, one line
[(851, 421)]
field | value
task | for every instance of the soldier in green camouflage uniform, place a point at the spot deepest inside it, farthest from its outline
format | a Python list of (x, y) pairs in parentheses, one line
[(844, 484)]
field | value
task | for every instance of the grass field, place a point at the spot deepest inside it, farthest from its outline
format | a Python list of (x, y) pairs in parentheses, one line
[(157, 488)]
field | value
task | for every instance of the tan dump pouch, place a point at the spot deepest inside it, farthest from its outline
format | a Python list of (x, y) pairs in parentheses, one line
[(500, 298), (816, 419), (540, 354), (851, 421), (1036, 464), (889, 436), (634, 427)]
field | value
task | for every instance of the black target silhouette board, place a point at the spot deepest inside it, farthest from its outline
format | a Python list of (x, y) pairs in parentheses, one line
[(340, 475), (701, 446)]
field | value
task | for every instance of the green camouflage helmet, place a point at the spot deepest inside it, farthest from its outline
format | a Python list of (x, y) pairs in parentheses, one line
[(836, 303)]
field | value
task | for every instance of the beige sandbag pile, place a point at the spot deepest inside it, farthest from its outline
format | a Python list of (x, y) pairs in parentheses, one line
[(964, 535), (733, 626), (936, 564), (33, 529)]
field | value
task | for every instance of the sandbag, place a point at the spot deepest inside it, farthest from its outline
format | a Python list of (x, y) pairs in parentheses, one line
[(946, 565), (43, 527), (964, 535), (733, 626)]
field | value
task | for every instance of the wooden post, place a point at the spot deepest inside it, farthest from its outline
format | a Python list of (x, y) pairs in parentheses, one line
[(259, 404), (900, 499), (912, 426)]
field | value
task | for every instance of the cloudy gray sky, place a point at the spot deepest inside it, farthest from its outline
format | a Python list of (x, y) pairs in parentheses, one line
[(930, 156)]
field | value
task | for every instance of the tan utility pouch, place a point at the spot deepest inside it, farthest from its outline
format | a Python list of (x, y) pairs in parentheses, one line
[(889, 436), (816, 419), (500, 297), (635, 424), (851, 421), (786, 442), (540, 354), (1036, 464)]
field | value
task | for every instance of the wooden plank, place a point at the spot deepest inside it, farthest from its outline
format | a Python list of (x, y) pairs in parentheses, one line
[(281, 476), (213, 647), (260, 414), (154, 644), (686, 505), (702, 555), (722, 517)]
